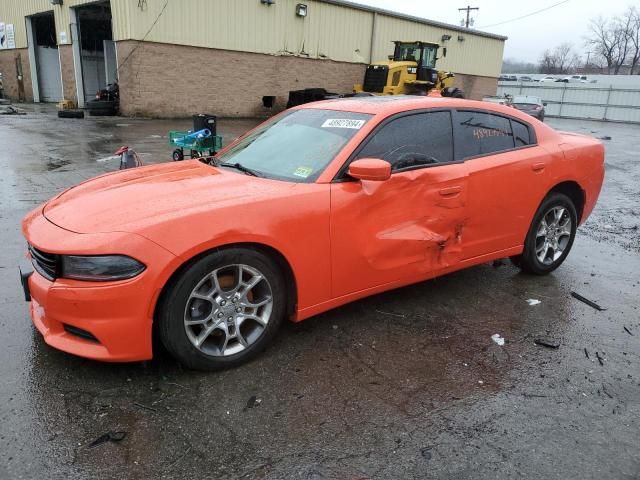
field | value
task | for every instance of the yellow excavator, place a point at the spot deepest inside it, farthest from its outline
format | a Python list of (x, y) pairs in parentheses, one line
[(410, 71)]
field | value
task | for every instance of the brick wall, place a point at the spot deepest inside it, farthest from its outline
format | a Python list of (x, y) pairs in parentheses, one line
[(175, 81), (9, 76), (68, 73)]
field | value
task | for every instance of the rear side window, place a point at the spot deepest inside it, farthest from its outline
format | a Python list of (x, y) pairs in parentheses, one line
[(479, 133), (521, 134), (412, 141)]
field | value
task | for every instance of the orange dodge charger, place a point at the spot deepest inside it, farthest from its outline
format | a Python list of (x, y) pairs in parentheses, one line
[(316, 207)]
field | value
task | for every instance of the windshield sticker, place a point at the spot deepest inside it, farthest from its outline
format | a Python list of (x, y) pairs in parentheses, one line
[(303, 172), (343, 123)]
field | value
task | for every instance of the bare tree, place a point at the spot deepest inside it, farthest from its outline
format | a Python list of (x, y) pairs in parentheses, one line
[(562, 59), (616, 40), (634, 38)]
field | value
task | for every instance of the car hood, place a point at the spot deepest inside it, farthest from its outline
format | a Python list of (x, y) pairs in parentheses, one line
[(128, 200)]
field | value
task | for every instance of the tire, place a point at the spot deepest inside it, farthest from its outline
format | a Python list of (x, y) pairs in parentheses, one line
[(70, 114), (541, 258), (180, 311), (177, 155), (457, 93)]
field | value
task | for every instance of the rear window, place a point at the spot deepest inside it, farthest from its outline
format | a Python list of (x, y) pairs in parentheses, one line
[(480, 133), (521, 134)]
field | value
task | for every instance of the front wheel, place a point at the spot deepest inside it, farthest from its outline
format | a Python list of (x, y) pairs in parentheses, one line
[(222, 310), (550, 236)]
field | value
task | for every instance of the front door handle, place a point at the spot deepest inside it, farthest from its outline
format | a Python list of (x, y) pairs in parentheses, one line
[(450, 191), (538, 167)]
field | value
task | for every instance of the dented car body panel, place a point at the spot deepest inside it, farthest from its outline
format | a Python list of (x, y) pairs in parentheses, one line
[(341, 238)]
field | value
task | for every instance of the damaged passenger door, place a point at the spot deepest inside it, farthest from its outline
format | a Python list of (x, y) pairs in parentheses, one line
[(402, 229)]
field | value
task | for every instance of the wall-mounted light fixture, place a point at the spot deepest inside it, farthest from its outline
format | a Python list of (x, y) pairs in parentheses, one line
[(301, 10), (267, 2), (56, 2), (460, 38), (446, 38)]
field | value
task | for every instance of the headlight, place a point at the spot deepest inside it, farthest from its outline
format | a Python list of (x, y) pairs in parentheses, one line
[(102, 268)]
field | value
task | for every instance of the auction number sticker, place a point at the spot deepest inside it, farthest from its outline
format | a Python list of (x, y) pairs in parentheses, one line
[(343, 123), (303, 172)]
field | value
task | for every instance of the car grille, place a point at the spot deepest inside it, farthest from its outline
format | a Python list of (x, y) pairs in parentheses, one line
[(46, 264), (375, 78)]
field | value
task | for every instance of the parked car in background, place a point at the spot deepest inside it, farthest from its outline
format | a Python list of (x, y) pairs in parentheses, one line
[(507, 78), (548, 79), (576, 79), (526, 78), (319, 206), (534, 106)]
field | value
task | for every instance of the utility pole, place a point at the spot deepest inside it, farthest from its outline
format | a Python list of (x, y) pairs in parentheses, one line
[(468, 8)]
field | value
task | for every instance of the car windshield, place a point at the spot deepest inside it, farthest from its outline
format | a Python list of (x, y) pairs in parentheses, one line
[(296, 146)]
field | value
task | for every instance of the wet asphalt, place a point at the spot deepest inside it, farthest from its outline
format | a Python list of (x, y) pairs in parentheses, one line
[(406, 384)]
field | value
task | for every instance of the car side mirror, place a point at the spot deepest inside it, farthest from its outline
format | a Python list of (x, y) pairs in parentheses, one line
[(372, 169)]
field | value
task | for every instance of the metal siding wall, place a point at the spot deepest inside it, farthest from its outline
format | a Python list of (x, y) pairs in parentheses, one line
[(475, 56), (329, 31)]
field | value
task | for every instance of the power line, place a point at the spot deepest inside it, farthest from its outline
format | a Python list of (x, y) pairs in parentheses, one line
[(525, 16), (468, 8)]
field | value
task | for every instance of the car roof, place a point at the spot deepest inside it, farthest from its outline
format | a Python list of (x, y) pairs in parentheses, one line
[(390, 104)]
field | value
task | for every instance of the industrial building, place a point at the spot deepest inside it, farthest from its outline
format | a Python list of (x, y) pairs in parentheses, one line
[(230, 57)]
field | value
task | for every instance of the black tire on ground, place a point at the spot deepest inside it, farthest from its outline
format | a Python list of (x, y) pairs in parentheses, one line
[(529, 261), (102, 113), (70, 114), (177, 155), (457, 93), (102, 108), (170, 312)]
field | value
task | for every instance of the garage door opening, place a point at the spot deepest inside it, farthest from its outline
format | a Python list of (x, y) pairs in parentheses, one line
[(47, 61), (97, 49)]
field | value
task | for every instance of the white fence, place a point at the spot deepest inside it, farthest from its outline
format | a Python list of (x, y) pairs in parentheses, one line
[(581, 101)]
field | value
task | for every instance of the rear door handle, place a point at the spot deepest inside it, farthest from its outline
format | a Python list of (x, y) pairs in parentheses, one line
[(538, 167), (450, 191)]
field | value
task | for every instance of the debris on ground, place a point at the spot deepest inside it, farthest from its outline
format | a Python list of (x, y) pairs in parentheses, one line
[(577, 296), (586, 353), (546, 342), (604, 390), (145, 407), (108, 437), (498, 339), (533, 301), (11, 110), (600, 359), (426, 453), (627, 330), (252, 402), (605, 137), (399, 315)]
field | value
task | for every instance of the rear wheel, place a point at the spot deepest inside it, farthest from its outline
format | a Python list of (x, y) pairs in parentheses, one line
[(223, 310), (550, 236)]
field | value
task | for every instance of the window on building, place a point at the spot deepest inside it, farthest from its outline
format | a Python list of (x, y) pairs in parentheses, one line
[(481, 133), (412, 141)]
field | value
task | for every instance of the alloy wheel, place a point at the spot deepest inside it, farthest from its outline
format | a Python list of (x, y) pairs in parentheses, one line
[(228, 310), (553, 235)]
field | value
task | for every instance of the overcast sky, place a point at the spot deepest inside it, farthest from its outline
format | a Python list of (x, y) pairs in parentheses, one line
[(528, 37)]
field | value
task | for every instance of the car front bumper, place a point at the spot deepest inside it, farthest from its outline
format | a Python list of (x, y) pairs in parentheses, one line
[(108, 321)]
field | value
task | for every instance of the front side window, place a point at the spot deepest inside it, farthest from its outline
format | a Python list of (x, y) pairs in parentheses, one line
[(480, 133), (296, 146), (412, 141)]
